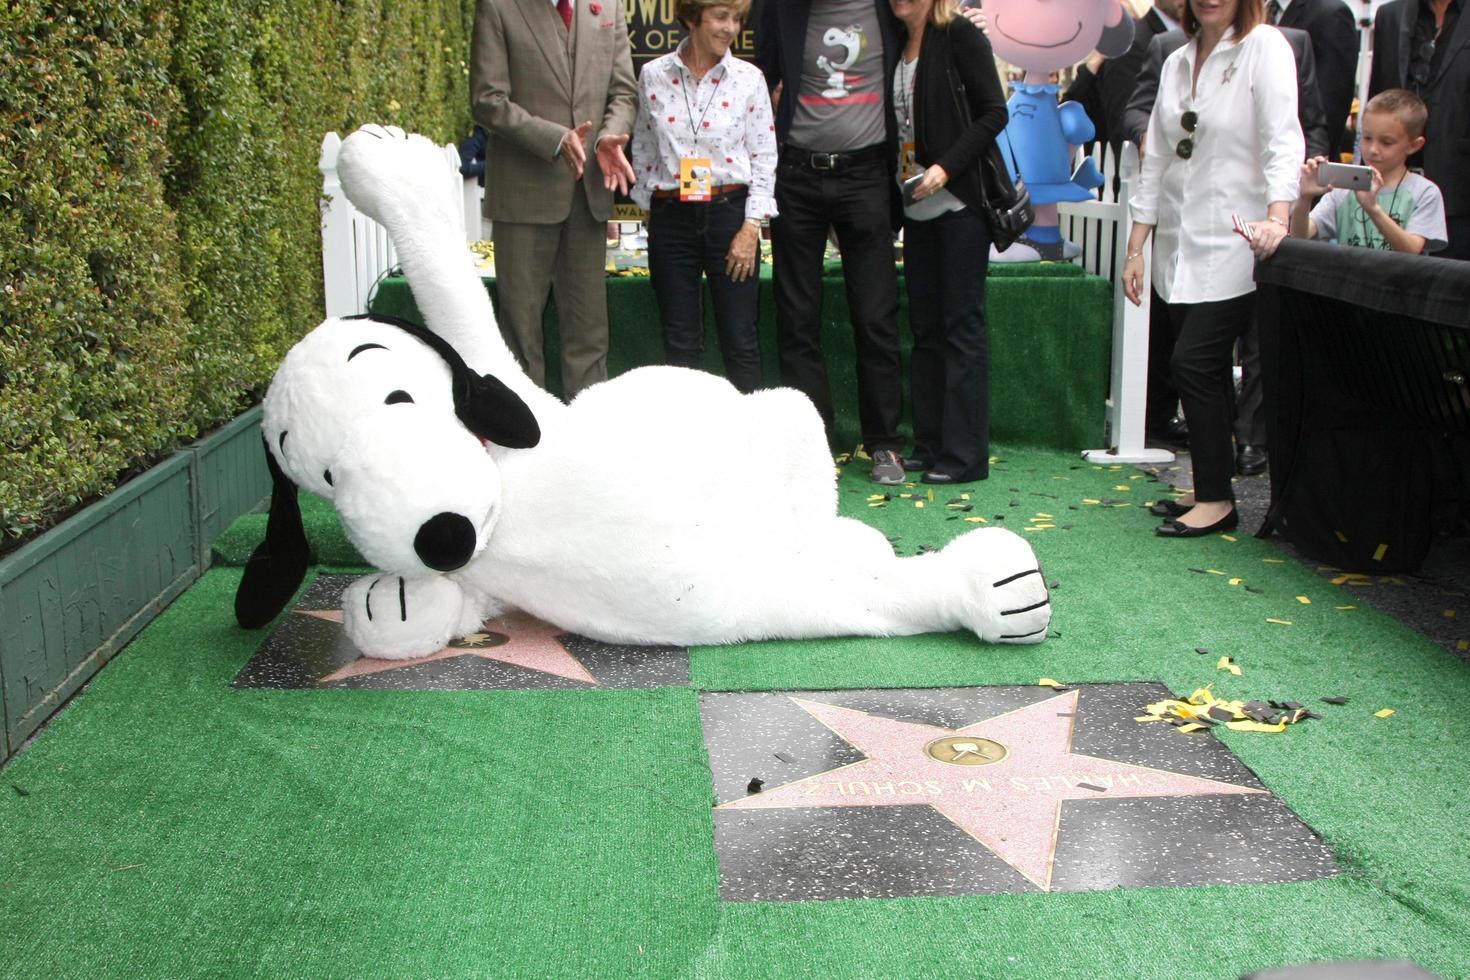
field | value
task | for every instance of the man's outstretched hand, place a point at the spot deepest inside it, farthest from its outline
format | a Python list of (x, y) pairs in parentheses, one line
[(617, 172)]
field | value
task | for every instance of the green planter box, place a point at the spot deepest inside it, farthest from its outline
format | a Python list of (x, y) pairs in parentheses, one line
[(73, 597)]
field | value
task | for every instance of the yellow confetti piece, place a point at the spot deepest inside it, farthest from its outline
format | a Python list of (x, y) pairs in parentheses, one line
[(1236, 581), (1192, 727), (1202, 695), (931, 495), (1463, 645), (1089, 500), (974, 520), (1340, 536), (1228, 537), (1351, 578), (1255, 726), (964, 496), (1225, 663), (1123, 486), (919, 504), (1214, 571), (1383, 713), (1274, 561), (1449, 614), (1304, 600), (1051, 682), (1379, 552), (1345, 608), (1040, 514), (1149, 718), (881, 503), (877, 496), (1278, 622)]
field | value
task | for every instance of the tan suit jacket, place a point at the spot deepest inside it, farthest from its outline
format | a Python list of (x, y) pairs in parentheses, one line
[(531, 80)]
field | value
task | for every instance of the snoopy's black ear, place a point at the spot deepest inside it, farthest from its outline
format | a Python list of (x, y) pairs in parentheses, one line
[(276, 568), (495, 413)]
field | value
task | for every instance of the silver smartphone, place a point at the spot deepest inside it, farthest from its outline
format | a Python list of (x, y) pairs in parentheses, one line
[(1345, 176), (909, 186)]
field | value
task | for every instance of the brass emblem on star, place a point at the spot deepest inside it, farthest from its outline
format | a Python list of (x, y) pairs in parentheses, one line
[(966, 750), (479, 641)]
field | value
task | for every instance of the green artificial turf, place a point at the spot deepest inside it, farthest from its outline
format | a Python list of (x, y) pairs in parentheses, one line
[(166, 824)]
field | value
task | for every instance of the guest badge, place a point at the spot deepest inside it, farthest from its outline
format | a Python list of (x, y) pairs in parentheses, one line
[(908, 163), (695, 174)]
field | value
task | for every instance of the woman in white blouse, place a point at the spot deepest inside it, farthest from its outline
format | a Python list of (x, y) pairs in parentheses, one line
[(704, 152), (1223, 141)]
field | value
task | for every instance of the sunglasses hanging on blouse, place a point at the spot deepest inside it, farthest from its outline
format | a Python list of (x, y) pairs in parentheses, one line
[(1188, 121)]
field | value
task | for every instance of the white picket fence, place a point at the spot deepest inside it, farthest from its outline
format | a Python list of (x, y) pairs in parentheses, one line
[(357, 253), (1100, 227)]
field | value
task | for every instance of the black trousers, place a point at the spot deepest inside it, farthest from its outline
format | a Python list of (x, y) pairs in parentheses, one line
[(1204, 338), (945, 261), (854, 200), (686, 239)]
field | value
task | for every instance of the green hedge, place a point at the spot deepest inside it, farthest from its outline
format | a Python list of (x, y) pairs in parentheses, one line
[(159, 239)]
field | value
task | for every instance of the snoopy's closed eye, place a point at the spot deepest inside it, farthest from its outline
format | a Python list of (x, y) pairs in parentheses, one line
[(398, 397)]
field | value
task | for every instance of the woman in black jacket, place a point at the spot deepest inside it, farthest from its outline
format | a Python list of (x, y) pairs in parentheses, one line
[(949, 107)]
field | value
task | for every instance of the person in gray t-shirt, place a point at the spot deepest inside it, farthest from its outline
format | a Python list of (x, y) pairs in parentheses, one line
[(833, 61)]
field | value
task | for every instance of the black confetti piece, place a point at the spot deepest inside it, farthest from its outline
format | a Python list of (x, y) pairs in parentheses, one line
[(19, 791), (754, 786), (1335, 699), (1091, 786), (1255, 591), (784, 757), (1202, 650)]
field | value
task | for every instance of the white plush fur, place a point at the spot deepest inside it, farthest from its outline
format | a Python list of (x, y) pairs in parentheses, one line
[(659, 507)]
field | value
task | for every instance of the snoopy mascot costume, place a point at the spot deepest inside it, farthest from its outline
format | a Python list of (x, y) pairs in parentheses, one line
[(475, 491)]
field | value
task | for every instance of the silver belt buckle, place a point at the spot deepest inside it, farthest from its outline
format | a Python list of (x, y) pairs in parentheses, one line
[(824, 161)]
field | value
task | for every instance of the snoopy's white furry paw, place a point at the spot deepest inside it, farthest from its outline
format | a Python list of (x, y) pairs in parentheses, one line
[(385, 170), (396, 618), (1007, 592)]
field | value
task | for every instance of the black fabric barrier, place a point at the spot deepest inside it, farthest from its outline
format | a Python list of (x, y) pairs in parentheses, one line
[(1366, 360)]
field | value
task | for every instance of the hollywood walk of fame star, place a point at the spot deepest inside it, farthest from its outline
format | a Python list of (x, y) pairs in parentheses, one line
[(524, 641), (1002, 780)]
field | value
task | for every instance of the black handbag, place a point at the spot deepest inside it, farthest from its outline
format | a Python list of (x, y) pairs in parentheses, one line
[(1005, 204)]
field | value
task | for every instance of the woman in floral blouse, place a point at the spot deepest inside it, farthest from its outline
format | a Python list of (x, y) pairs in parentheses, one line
[(704, 151)]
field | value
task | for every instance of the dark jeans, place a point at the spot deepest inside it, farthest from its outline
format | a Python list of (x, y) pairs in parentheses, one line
[(945, 260), (1204, 337), (854, 201), (1459, 239), (685, 239)]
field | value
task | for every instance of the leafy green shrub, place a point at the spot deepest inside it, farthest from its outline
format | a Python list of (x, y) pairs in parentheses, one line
[(159, 210)]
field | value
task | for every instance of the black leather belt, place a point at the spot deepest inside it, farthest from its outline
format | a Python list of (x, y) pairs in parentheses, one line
[(831, 162)]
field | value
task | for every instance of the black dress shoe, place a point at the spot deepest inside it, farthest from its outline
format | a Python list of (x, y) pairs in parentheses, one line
[(917, 464), (1178, 529), (934, 476), (1174, 431), (1250, 460), (1168, 508)]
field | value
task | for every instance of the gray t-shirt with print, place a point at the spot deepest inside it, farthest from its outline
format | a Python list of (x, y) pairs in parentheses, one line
[(1416, 204), (839, 104)]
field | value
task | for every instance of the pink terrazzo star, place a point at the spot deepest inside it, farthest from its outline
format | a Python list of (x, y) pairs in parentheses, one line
[(532, 644), (1012, 805)]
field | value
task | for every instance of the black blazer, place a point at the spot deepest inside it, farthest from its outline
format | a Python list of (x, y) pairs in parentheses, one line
[(1334, 36), (1105, 95), (959, 107), (1446, 153), (1308, 105)]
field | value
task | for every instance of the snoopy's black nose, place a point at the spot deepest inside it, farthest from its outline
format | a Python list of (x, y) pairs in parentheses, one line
[(445, 541)]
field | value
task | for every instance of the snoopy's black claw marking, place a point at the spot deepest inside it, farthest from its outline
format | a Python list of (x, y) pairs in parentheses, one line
[(1018, 575)]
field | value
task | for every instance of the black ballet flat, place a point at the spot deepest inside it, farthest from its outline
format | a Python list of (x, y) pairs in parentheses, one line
[(1168, 508), (1178, 529)]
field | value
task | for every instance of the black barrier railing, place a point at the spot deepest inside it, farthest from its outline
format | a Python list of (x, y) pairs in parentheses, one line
[(1366, 358)]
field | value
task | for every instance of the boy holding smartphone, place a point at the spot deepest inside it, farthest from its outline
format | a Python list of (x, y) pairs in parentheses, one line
[(1399, 211)]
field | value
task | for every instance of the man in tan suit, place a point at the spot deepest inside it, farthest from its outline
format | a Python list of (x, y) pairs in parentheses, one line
[(543, 70)]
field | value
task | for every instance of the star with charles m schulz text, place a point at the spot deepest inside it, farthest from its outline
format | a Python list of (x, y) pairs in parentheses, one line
[(516, 638), (1002, 780)]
